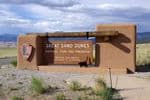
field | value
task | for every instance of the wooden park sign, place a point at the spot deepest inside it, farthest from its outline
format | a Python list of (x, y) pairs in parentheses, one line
[(68, 52)]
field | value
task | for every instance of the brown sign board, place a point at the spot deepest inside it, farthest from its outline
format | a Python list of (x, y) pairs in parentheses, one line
[(68, 52)]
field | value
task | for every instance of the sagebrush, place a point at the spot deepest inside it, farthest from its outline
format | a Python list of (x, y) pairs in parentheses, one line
[(16, 98), (75, 85), (60, 96), (36, 85)]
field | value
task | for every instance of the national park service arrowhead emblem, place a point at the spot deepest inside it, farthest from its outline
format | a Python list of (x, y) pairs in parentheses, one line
[(26, 50)]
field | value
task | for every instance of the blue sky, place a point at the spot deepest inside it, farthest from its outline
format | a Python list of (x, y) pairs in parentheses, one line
[(22, 16)]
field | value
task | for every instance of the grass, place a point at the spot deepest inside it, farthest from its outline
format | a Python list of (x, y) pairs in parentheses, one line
[(36, 85), (8, 52), (60, 96), (75, 85), (16, 98), (14, 63), (99, 86), (100, 82), (143, 54), (102, 90), (107, 94)]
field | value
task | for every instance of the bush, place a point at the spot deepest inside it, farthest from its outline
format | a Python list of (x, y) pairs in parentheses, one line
[(107, 94), (14, 63), (102, 90), (60, 96), (36, 85), (99, 86), (74, 85), (16, 98)]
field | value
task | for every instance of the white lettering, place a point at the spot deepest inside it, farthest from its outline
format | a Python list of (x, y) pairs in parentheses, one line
[(81, 46)]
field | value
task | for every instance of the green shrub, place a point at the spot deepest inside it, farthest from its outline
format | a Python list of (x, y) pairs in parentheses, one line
[(36, 85), (100, 82), (60, 96), (102, 90), (99, 86), (14, 63), (107, 94), (16, 98), (74, 85)]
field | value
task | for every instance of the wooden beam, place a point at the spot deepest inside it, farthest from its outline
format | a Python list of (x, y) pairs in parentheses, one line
[(77, 34)]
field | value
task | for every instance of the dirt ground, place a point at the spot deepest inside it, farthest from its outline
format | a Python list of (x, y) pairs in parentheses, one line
[(15, 82)]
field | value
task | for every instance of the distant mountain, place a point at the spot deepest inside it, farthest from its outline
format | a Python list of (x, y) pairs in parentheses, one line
[(143, 37), (8, 37)]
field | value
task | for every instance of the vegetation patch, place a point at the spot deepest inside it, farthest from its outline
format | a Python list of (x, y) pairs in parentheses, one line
[(16, 98), (143, 54), (75, 85), (14, 63), (99, 85), (8, 52), (60, 96), (102, 90), (36, 85), (107, 94)]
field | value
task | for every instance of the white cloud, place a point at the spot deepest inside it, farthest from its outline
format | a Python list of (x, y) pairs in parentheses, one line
[(58, 19), (49, 3), (108, 6), (69, 15), (11, 23), (42, 12)]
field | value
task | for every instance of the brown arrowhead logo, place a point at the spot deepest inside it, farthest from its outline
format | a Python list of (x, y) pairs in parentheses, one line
[(26, 50)]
